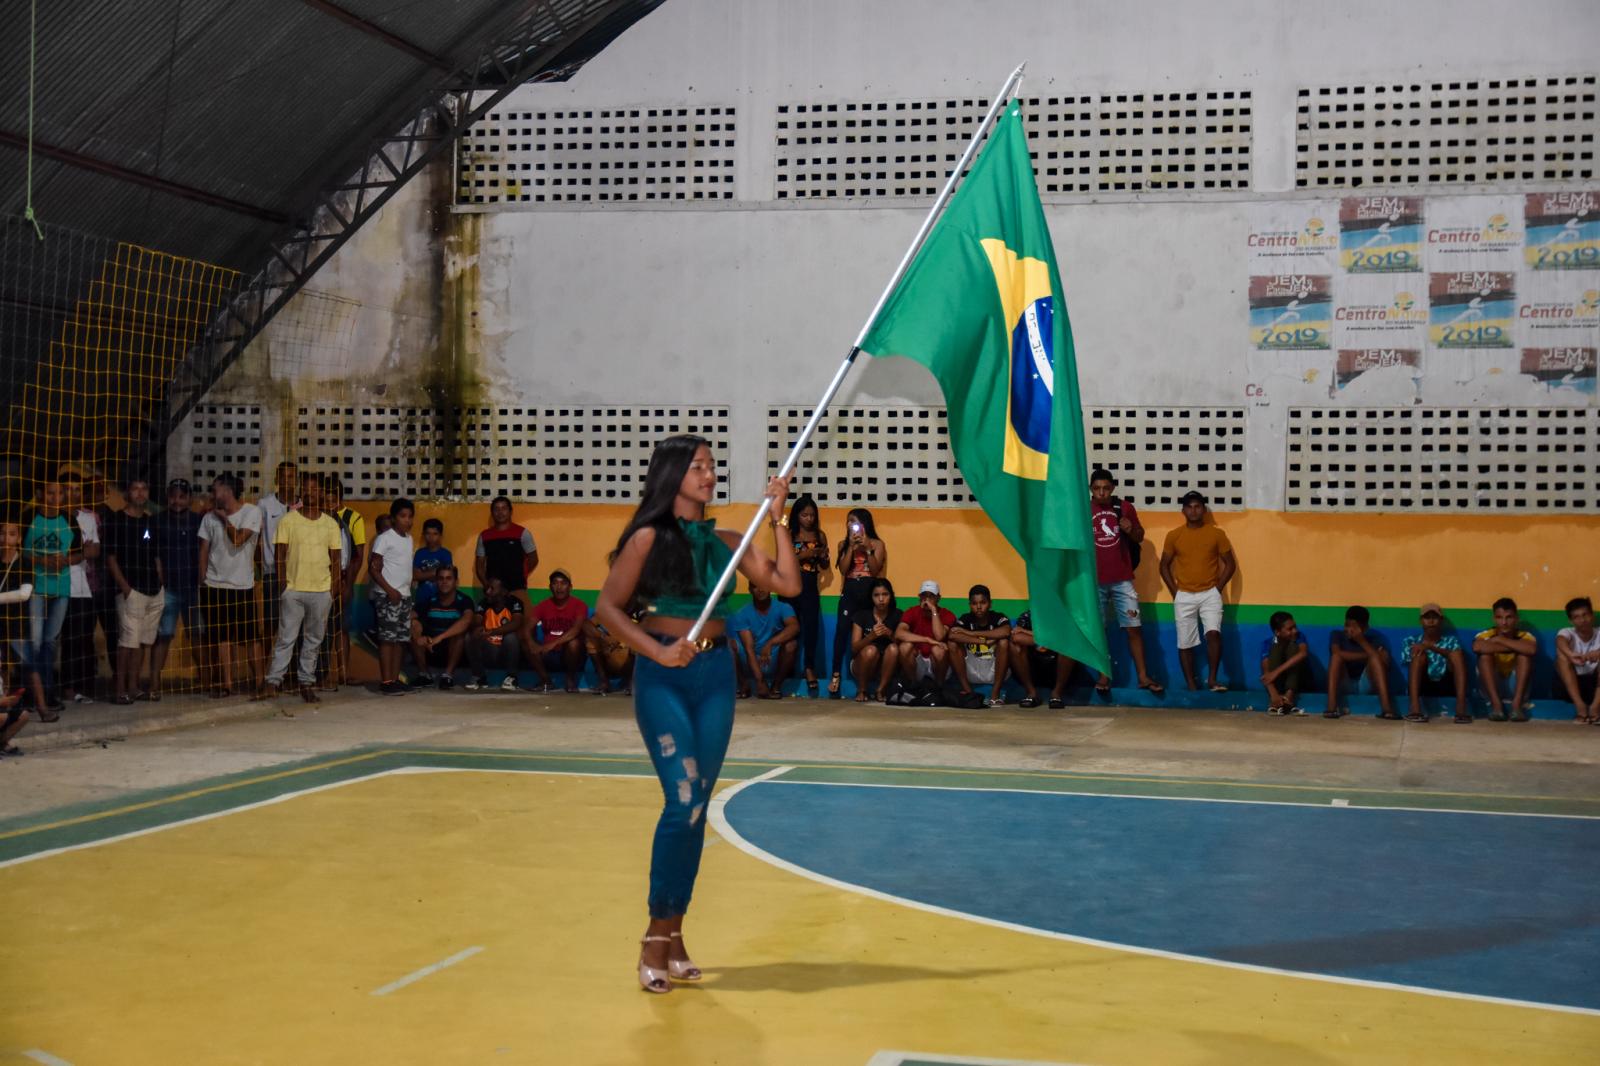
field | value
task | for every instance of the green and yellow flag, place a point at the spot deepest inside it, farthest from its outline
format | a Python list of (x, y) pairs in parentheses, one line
[(982, 307)]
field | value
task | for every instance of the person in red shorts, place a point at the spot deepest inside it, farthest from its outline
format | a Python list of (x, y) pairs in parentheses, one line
[(559, 621)]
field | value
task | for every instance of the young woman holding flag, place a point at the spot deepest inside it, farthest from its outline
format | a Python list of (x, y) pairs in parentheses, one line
[(667, 561)]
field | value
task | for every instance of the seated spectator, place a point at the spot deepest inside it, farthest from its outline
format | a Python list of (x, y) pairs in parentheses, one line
[(1032, 660), (1505, 662), (390, 574), (439, 631), (980, 646), (1431, 657), (1197, 562), (611, 657), (768, 632), (560, 619), (16, 589), (133, 557), (1285, 665), (1578, 660), (430, 559), (922, 636), (874, 656), (1354, 652), (496, 637)]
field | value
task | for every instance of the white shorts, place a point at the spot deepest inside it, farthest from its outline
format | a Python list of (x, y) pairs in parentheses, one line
[(138, 618), (1194, 612), (980, 669)]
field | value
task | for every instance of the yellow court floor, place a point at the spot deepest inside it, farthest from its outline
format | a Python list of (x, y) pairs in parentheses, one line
[(283, 932)]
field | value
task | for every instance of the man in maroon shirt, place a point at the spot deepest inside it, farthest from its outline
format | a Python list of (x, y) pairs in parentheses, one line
[(1117, 536), (560, 620)]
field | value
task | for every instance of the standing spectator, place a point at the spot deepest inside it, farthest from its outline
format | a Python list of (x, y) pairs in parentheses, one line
[(1196, 565), (1578, 660), (79, 662), (104, 590), (133, 556), (352, 549), (1430, 657), (284, 498), (390, 575), (506, 551), (1354, 652), (1285, 672), (768, 635), (496, 637), (16, 645), (811, 549), (862, 557), (980, 646), (307, 567), (432, 557), (1032, 660), (1117, 540), (922, 635), (47, 542), (612, 658), (560, 618), (178, 533), (439, 633), (873, 652), (228, 536), (1505, 662)]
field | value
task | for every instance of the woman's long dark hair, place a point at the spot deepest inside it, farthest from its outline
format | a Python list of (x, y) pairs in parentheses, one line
[(882, 582), (799, 504), (669, 568), (866, 527)]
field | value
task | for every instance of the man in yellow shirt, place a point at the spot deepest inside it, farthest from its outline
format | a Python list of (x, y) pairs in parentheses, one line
[(307, 546), (1505, 662), (1196, 564)]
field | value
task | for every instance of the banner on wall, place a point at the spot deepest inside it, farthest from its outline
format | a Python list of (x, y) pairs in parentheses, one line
[(1471, 309), (1562, 367), (1474, 233), (1293, 237), (1353, 362), (1380, 234), (1380, 311), (1563, 231), (1291, 312)]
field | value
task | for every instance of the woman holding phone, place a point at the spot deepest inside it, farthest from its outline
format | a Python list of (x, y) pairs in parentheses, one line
[(666, 562), (862, 557)]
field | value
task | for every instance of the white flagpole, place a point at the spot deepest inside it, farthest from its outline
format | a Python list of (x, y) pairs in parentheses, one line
[(1000, 100)]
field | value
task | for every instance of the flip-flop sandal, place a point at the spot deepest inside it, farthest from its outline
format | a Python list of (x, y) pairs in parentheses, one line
[(1057, 704), (1219, 688), (1463, 719), (1028, 702), (1103, 687), (833, 687), (1422, 718), (1155, 688), (1330, 714)]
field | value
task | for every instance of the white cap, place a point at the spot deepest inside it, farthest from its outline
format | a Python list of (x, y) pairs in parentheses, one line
[(929, 586)]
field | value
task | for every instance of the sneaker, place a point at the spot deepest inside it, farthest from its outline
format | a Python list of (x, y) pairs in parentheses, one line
[(393, 688), (1277, 712), (1298, 711), (477, 684), (509, 684), (447, 682), (420, 681), (78, 697)]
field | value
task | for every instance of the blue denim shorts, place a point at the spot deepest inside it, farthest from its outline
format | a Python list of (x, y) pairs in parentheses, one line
[(1125, 602), (174, 605)]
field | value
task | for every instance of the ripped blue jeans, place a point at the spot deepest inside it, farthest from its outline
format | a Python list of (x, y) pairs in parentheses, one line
[(685, 716)]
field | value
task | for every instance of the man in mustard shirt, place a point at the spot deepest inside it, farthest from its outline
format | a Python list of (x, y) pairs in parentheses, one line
[(1196, 564), (307, 546)]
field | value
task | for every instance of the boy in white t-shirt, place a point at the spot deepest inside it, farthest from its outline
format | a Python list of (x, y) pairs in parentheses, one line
[(229, 533), (1578, 660), (80, 664), (390, 574)]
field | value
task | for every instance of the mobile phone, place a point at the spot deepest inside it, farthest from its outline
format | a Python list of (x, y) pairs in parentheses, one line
[(856, 529)]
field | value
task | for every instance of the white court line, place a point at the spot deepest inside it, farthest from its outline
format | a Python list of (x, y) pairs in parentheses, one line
[(719, 820), (1346, 803), (898, 1058), (45, 1058), (1308, 805), (410, 978)]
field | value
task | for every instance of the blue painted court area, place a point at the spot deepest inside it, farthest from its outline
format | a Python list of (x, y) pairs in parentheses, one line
[(1492, 905)]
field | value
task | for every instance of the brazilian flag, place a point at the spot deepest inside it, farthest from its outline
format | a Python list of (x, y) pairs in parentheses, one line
[(982, 307)]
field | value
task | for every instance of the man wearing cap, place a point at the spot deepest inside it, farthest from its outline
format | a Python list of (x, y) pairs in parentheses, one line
[(178, 534), (1436, 665), (922, 635), (561, 619), (1196, 564)]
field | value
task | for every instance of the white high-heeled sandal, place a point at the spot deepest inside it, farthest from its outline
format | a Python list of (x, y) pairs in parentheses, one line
[(650, 978), (682, 969)]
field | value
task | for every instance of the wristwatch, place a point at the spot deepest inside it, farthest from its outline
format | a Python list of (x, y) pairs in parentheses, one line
[(784, 521)]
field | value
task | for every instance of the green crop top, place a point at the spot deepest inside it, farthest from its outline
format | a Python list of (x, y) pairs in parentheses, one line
[(711, 557)]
